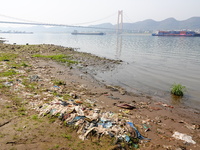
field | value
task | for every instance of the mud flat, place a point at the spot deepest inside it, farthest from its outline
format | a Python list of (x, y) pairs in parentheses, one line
[(36, 77)]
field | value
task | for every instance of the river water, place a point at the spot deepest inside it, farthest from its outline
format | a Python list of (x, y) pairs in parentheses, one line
[(151, 64)]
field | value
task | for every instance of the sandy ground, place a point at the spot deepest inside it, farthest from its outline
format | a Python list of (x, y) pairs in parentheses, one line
[(26, 131)]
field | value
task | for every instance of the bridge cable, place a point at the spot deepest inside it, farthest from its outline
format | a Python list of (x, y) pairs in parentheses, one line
[(96, 20)]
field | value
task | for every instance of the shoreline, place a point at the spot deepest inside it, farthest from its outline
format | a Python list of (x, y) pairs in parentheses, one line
[(162, 118)]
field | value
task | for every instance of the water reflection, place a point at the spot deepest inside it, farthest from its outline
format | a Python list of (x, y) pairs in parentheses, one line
[(118, 46), (176, 100)]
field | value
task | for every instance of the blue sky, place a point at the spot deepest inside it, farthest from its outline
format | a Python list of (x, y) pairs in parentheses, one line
[(85, 12)]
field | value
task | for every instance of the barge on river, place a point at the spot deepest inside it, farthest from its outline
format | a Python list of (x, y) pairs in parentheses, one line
[(87, 33), (176, 33)]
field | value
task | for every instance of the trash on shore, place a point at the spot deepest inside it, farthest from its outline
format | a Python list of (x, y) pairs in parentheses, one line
[(88, 120), (184, 137), (163, 104), (126, 106), (8, 84), (146, 127)]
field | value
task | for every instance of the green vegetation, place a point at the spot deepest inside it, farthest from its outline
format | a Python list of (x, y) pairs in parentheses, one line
[(7, 56), (52, 120), (31, 86), (68, 136), (66, 96), (21, 109), (19, 129), (2, 86), (59, 82), (34, 117), (60, 58), (8, 73), (18, 65), (24, 64), (17, 101), (2, 135), (56, 146), (177, 89)]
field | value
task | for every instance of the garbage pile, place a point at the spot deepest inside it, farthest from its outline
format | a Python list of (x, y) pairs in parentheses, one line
[(88, 120)]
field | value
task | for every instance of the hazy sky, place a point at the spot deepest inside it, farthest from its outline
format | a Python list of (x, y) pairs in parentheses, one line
[(83, 11)]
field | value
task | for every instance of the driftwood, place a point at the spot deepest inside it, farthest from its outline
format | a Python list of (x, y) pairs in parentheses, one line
[(3, 124)]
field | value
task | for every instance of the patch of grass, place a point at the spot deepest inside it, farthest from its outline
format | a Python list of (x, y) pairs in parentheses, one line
[(8, 73), (2, 86), (60, 58), (57, 146), (52, 120), (32, 86), (16, 101), (19, 129), (59, 82), (68, 136), (7, 56), (34, 117), (55, 93), (25, 82), (52, 135), (65, 123), (178, 89), (66, 97), (8, 106), (2, 135), (22, 113), (23, 64), (21, 109), (18, 65)]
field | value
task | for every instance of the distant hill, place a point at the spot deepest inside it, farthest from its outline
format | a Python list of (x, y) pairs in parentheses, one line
[(103, 25), (167, 24), (146, 25)]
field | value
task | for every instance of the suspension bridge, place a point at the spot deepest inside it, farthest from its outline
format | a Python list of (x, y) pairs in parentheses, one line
[(18, 21)]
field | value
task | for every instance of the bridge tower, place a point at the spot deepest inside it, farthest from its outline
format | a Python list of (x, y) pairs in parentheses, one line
[(120, 22)]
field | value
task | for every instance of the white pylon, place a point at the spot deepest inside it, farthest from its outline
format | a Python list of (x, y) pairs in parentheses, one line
[(120, 22)]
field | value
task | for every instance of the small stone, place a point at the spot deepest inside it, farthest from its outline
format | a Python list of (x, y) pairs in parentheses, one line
[(160, 131), (168, 147)]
